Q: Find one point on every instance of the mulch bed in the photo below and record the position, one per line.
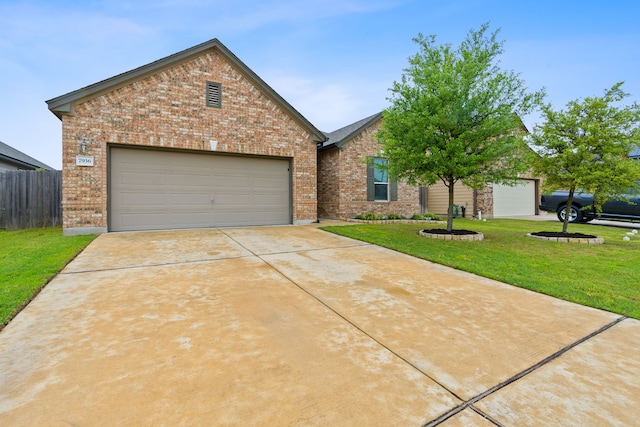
(561, 234)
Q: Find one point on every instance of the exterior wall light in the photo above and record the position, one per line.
(84, 146)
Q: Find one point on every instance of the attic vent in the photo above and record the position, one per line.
(214, 94)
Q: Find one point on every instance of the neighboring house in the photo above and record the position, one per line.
(492, 201)
(195, 139)
(349, 183)
(12, 159)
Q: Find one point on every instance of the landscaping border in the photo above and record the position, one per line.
(586, 241)
(467, 237)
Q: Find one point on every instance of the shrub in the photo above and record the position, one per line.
(430, 216)
(394, 216)
(370, 216)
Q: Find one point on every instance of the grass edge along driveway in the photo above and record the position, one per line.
(600, 276)
(28, 260)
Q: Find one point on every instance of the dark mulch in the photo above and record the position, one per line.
(561, 234)
(453, 232)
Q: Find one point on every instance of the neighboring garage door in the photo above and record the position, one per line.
(514, 201)
(154, 190)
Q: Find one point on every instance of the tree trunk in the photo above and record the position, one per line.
(450, 211)
(567, 211)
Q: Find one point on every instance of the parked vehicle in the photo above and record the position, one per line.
(581, 210)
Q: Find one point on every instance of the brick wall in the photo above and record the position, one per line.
(329, 183)
(343, 181)
(168, 110)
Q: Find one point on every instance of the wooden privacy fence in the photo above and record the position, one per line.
(30, 199)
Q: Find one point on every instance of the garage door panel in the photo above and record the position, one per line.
(142, 221)
(183, 200)
(148, 199)
(267, 183)
(518, 200)
(162, 189)
(141, 178)
(189, 219)
(189, 179)
(228, 184)
(264, 200)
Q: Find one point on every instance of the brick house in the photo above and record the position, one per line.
(349, 183)
(195, 139)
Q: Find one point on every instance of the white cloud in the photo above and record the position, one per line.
(328, 105)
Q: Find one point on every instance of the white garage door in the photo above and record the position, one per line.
(154, 190)
(514, 201)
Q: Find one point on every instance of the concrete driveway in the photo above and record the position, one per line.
(546, 216)
(295, 326)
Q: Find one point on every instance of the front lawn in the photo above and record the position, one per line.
(603, 276)
(28, 259)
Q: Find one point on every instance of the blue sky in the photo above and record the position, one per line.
(333, 60)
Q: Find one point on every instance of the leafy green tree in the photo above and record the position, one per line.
(455, 116)
(586, 147)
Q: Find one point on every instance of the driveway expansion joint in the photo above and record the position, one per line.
(470, 403)
(161, 264)
(295, 251)
(444, 417)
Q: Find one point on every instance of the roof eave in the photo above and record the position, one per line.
(322, 148)
(343, 141)
(19, 162)
(365, 125)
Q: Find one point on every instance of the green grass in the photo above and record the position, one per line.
(603, 276)
(28, 260)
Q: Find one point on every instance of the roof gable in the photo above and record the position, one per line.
(12, 155)
(340, 137)
(64, 104)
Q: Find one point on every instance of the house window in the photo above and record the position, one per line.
(380, 187)
(380, 180)
(214, 95)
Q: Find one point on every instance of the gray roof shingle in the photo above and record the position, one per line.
(341, 136)
(18, 157)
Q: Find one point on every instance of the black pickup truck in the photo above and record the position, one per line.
(628, 208)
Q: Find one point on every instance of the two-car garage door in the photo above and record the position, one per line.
(153, 190)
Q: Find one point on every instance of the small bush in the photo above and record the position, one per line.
(371, 216)
(359, 216)
(430, 216)
(394, 216)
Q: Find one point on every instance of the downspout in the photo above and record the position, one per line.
(475, 203)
